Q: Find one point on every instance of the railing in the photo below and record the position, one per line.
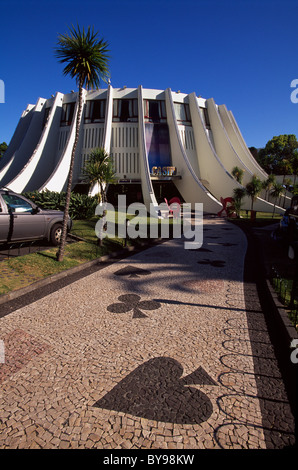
(14, 249)
(287, 294)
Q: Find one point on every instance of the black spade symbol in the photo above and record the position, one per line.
(132, 271)
(156, 391)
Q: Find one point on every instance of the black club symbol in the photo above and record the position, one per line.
(132, 302)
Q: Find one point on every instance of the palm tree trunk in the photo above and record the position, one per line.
(274, 209)
(61, 250)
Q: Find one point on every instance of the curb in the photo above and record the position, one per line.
(55, 277)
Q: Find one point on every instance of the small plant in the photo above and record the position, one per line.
(237, 173)
(99, 171)
(276, 192)
(238, 195)
(253, 189)
(267, 185)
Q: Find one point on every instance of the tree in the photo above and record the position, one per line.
(99, 170)
(238, 195)
(3, 148)
(254, 152)
(237, 173)
(278, 154)
(276, 192)
(86, 58)
(253, 189)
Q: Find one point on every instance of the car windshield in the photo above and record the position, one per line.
(16, 204)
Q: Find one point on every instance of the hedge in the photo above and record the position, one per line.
(81, 206)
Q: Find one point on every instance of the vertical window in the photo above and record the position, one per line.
(125, 110)
(46, 116)
(205, 115)
(155, 111)
(182, 113)
(158, 144)
(95, 111)
(67, 114)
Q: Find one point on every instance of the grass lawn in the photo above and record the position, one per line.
(262, 219)
(21, 271)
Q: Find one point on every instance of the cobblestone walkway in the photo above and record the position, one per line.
(167, 349)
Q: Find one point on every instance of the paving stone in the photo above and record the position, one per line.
(164, 360)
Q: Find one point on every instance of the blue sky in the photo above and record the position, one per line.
(241, 53)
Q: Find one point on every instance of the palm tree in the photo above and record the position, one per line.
(99, 171)
(86, 58)
(268, 183)
(238, 194)
(253, 189)
(237, 173)
(276, 192)
(287, 186)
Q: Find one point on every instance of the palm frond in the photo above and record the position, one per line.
(85, 55)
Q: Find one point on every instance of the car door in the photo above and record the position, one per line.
(5, 222)
(25, 222)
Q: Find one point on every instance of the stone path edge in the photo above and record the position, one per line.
(55, 277)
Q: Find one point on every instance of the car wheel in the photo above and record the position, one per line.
(56, 233)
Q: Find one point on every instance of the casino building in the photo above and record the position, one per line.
(163, 143)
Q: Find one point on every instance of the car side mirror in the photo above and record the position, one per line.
(35, 210)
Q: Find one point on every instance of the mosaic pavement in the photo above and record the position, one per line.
(167, 349)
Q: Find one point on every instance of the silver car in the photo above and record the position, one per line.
(22, 220)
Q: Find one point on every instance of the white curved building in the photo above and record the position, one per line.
(163, 144)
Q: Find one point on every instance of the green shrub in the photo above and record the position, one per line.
(81, 206)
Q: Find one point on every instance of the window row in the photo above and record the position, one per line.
(126, 110)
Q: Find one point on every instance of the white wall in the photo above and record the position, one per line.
(204, 158)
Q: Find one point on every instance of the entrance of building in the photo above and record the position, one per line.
(132, 191)
(165, 190)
